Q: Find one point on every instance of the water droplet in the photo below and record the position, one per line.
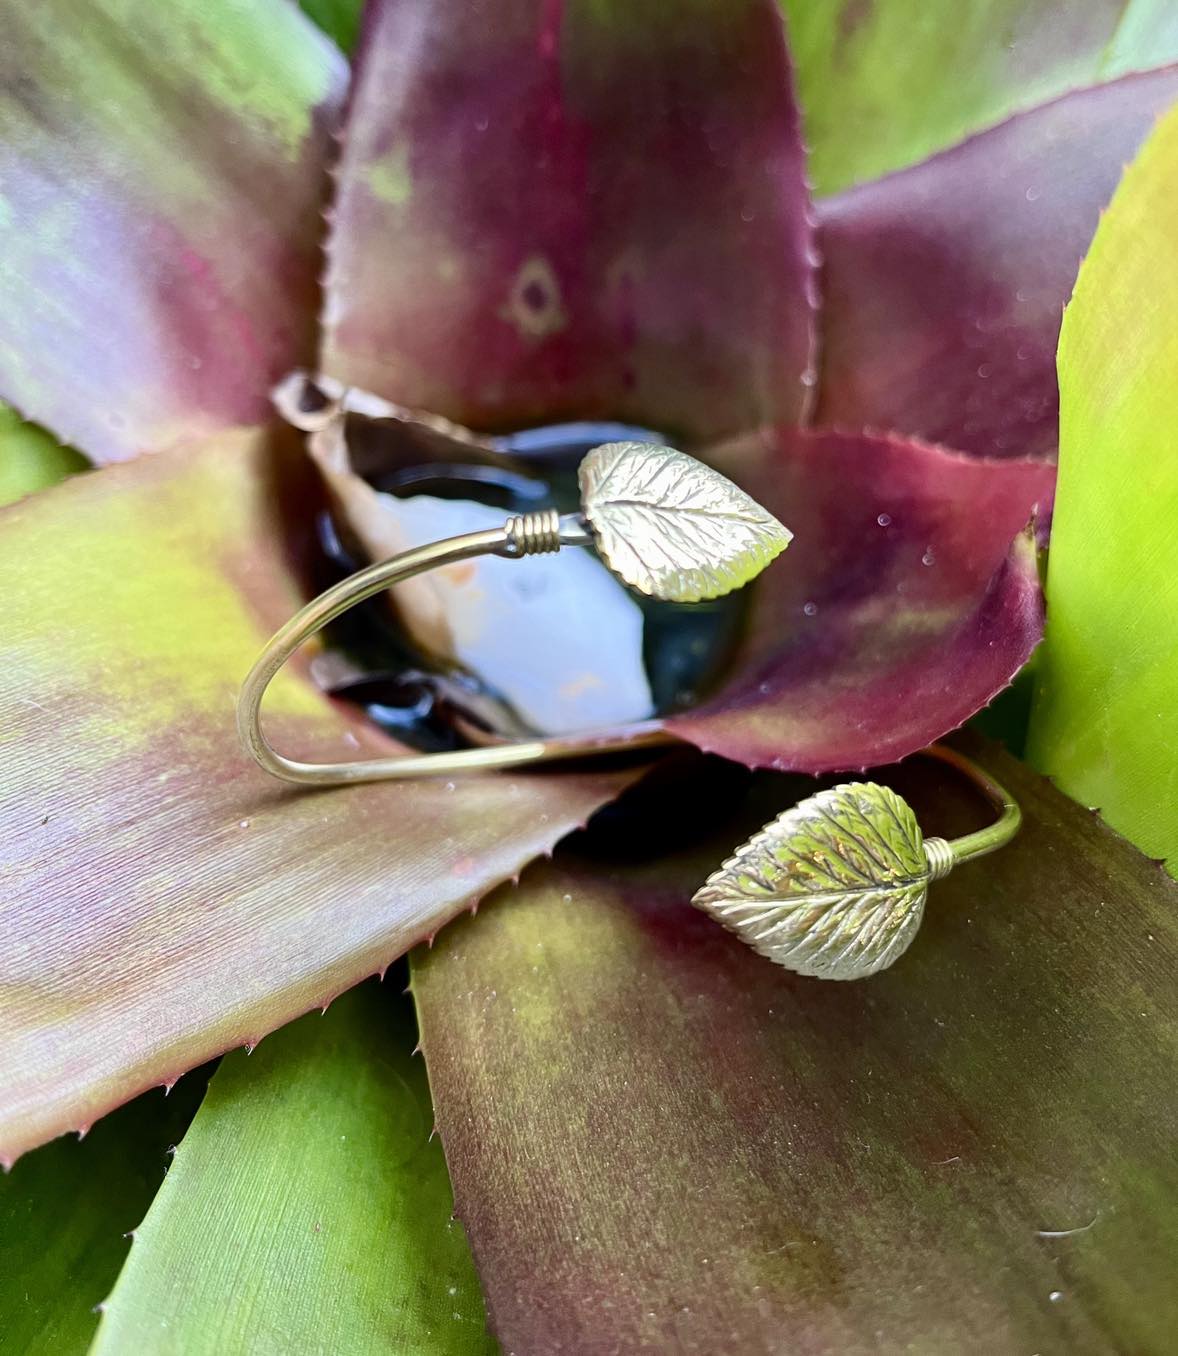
(985, 370)
(747, 214)
(449, 786)
(1055, 1296)
(810, 609)
(809, 377)
(884, 520)
(1031, 195)
(566, 899)
(243, 824)
(481, 124)
(928, 558)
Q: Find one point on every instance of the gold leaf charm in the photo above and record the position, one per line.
(671, 527)
(834, 887)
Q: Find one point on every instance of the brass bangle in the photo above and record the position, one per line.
(646, 510)
(993, 836)
(833, 887)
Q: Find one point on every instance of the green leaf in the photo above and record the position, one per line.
(340, 19)
(65, 1213)
(885, 83)
(1146, 35)
(307, 1208)
(661, 1142)
(30, 458)
(1105, 716)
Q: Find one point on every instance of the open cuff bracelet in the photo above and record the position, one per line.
(835, 886)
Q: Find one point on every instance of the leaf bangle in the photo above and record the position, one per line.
(835, 887)
(664, 523)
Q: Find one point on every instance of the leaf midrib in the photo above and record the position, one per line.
(673, 509)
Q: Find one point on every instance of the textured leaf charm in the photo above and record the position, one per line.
(671, 527)
(834, 887)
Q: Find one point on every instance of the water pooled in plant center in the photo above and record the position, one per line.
(547, 645)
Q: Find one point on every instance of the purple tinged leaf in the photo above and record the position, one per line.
(885, 83)
(659, 1141)
(900, 609)
(164, 900)
(577, 209)
(161, 176)
(944, 284)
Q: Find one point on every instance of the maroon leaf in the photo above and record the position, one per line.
(579, 209)
(944, 284)
(661, 1142)
(163, 898)
(899, 610)
(162, 171)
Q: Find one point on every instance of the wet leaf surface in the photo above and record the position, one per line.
(944, 284)
(907, 599)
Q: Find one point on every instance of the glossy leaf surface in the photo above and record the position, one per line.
(660, 1141)
(833, 887)
(671, 527)
(164, 899)
(1105, 718)
(944, 284)
(65, 1215)
(907, 599)
(584, 210)
(307, 1208)
(163, 168)
(887, 83)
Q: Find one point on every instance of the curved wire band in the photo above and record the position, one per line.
(527, 534)
(944, 854)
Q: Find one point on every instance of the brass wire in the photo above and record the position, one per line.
(520, 535)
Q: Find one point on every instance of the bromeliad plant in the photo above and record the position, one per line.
(548, 212)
